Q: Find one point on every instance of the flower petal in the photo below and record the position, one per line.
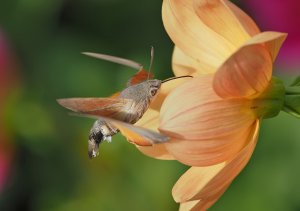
(207, 184)
(188, 206)
(246, 73)
(157, 151)
(185, 65)
(193, 37)
(193, 111)
(197, 205)
(164, 91)
(218, 16)
(150, 120)
(194, 181)
(210, 151)
(247, 22)
(272, 41)
(204, 128)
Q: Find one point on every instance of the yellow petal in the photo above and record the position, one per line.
(245, 74)
(218, 16)
(185, 65)
(248, 24)
(208, 183)
(193, 37)
(272, 41)
(193, 111)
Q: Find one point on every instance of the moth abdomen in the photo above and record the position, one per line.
(101, 131)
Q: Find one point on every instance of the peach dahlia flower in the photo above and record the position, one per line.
(213, 119)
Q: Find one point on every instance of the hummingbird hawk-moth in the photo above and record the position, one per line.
(120, 111)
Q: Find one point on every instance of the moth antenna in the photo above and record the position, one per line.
(173, 78)
(151, 60)
(114, 59)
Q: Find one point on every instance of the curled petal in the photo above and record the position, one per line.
(193, 111)
(194, 181)
(220, 18)
(189, 205)
(203, 204)
(206, 184)
(272, 41)
(193, 36)
(245, 74)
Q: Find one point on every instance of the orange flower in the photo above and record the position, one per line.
(213, 119)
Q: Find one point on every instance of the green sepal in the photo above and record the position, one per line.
(292, 99)
(296, 82)
(269, 103)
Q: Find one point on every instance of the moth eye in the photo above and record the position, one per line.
(153, 92)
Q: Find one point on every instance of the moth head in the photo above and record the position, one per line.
(154, 86)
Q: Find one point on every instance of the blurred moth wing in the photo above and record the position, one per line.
(109, 107)
(140, 76)
(138, 135)
(115, 59)
(134, 134)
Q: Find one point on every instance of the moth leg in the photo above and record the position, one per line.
(108, 139)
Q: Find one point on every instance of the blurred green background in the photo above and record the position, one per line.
(50, 169)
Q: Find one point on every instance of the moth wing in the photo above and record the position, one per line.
(138, 135)
(115, 95)
(109, 107)
(139, 77)
(115, 59)
(134, 134)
